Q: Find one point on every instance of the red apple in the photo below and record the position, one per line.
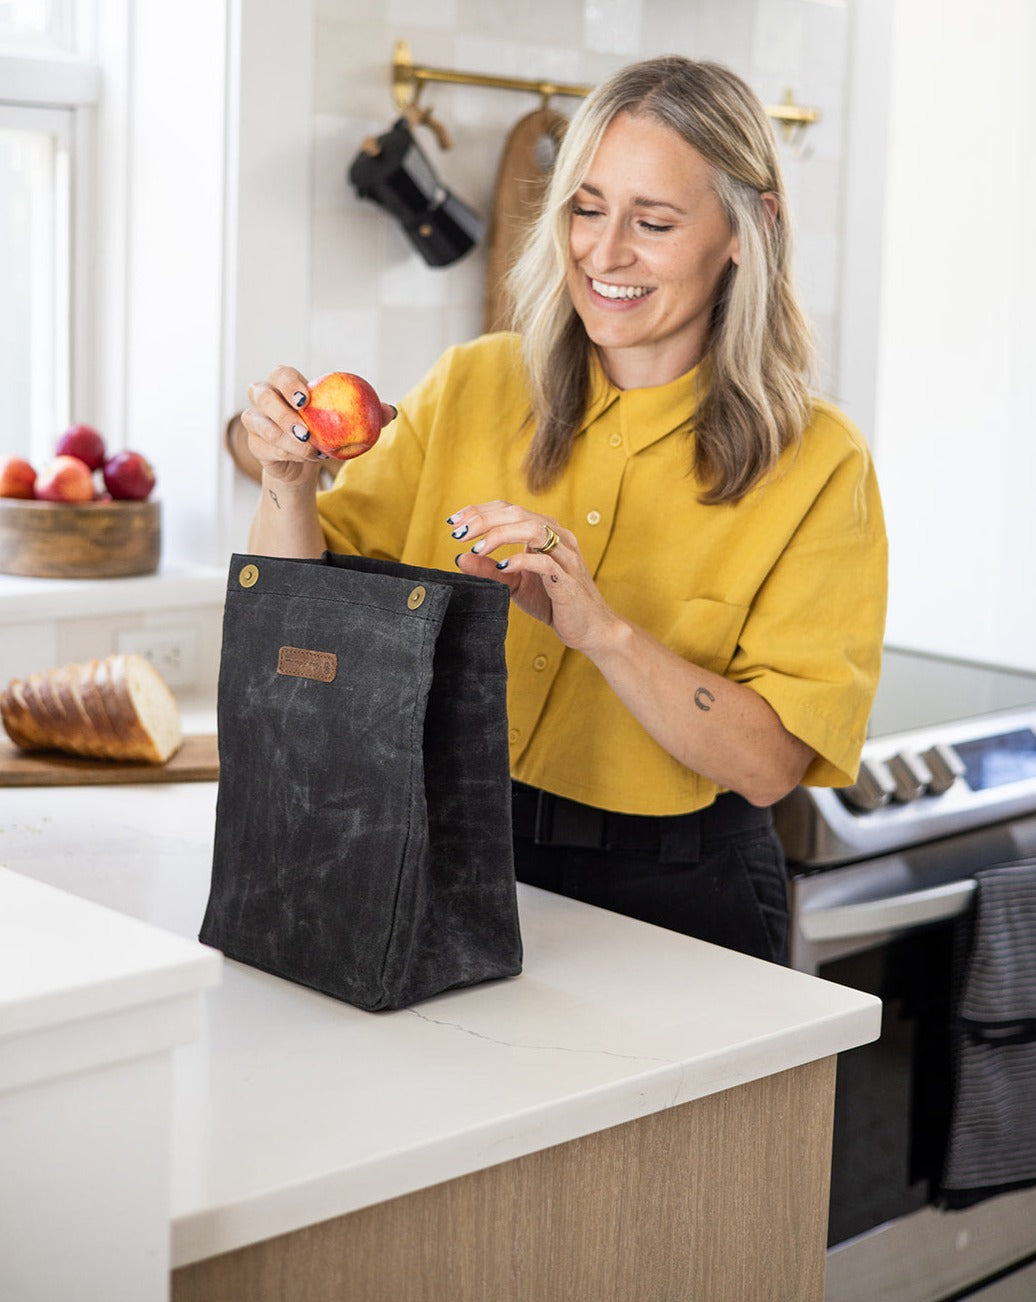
(84, 442)
(17, 478)
(343, 415)
(65, 479)
(128, 477)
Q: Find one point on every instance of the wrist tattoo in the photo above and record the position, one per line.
(702, 698)
(274, 499)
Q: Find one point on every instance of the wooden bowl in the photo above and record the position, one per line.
(91, 540)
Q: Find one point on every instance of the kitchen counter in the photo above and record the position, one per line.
(293, 1111)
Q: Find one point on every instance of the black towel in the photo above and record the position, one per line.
(992, 1142)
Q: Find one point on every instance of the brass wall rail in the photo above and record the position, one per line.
(408, 79)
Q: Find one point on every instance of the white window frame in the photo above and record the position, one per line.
(60, 94)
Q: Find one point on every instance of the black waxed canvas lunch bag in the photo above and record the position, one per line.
(363, 817)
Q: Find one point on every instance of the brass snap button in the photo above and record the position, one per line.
(249, 576)
(416, 597)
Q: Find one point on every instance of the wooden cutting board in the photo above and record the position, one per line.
(521, 183)
(197, 760)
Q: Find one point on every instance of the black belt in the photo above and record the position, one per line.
(674, 838)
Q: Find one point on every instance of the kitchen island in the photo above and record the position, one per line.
(637, 1116)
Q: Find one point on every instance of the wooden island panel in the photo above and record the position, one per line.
(722, 1199)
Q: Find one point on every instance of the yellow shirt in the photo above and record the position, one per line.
(784, 591)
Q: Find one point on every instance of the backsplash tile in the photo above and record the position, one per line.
(613, 26)
(394, 313)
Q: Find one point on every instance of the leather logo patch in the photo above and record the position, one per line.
(297, 662)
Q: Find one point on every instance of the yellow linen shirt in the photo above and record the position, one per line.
(784, 590)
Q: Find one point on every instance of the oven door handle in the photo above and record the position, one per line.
(895, 913)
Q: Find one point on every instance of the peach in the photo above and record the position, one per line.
(344, 415)
(17, 478)
(65, 479)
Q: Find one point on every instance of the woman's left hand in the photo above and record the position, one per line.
(554, 586)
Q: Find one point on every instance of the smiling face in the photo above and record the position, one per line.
(648, 243)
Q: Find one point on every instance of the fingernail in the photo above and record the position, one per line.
(451, 519)
(395, 411)
(459, 533)
(301, 433)
(501, 565)
(322, 456)
(479, 545)
(456, 559)
(299, 399)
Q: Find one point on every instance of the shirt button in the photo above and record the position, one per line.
(615, 440)
(513, 736)
(540, 662)
(593, 517)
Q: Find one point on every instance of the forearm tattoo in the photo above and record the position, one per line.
(703, 698)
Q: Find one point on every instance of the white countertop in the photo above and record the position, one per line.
(63, 958)
(293, 1108)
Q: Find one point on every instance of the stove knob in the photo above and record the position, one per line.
(946, 767)
(873, 787)
(911, 775)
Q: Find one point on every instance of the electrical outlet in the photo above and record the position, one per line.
(173, 651)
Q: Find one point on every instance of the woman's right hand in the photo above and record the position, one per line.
(276, 437)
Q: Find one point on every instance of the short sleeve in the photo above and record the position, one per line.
(811, 645)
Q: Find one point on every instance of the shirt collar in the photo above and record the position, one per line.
(645, 415)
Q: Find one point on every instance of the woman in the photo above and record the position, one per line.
(694, 546)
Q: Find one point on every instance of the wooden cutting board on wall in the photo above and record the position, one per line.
(521, 181)
(197, 760)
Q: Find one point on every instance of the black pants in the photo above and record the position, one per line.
(717, 874)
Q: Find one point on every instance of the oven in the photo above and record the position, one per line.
(881, 875)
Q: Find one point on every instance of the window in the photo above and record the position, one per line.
(37, 24)
(47, 98)
(35, 297)
(175, 188)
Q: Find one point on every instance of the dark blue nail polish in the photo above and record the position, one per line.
(456, 559)
(299, 399)
(459, 533)
(451, 519)
(301, 433)
(501, 565)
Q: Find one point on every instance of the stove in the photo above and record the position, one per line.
(951, 746)
(881, 888)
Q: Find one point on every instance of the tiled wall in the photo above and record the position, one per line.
(31, 642)
(376, 308)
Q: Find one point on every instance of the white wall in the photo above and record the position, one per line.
(955, 392)
(159, 274)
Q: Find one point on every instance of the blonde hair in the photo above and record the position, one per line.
(755, 401)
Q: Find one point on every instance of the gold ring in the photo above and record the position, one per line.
(552, 541)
